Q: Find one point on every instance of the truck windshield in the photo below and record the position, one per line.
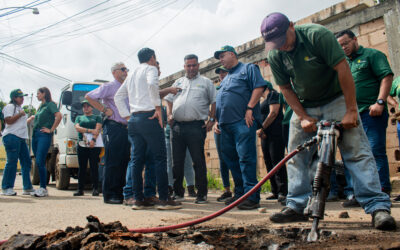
(78, 95)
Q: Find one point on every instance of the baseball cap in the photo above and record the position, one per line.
(85, 102)
(273, 30)
(16, 93)
(219, 69)
(224, 49)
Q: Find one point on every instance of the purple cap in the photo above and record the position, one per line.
(273, 30)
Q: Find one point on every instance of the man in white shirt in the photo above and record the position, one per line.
(14, 135)
(145, 127)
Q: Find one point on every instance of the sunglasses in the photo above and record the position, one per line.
(124, 69)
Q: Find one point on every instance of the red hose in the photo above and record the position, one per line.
(218, 213)
(223, 210)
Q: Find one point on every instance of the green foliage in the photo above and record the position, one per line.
(215, 182)
(2, 104)
(27, 111)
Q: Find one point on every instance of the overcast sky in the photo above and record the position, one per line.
(83, 47)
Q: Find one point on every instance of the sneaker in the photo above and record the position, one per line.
(9, 192)
(129, 201)
(178, 198)
(191, 191)
(168, 205)
(139, 205)
(224, 196)
(95, 192)
(152, 200)
(382, 220)
(28, 191)
(351, 203)
(41, 192)
(248, 205)
(201, 200)
(79, 193)
(231, 200)
(287, 215)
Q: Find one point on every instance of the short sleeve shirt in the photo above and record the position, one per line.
(45, 115)
(368, 67)
(87, 121)
(395, 90)
(19, 127)
(288, 110)
(235, 93)
(309, 66)
(276, 126)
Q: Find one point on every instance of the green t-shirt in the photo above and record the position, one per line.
(288, 110)
(88, 122)
(395, 90)
(45, 115)
(368, 67)
(309, 66)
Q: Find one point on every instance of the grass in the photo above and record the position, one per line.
(215, 183)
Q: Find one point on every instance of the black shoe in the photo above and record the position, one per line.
(170, 191)
(287, 215)
(95, 192)
(248, 205)
(178, 198)
(191, 191)
(78, 193)
(271, 197)
(351, 203)
(201, 200)
(382, 220)
(224, 196)
(113, 201)
(231, 200)
(145, 204)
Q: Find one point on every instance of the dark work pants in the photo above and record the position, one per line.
(117, 150)
(273, 148)
(285, 134)
(91, 155)
(189, 135)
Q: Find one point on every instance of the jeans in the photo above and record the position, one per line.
(16, 148)
(375, 128)
(40, 146)
(85, 155)
(398, 132)
(223, 168)
(240, 154)
(116, 147)
(189, 136)
(147, 135)
(357, 157)
(188, 168)
(149, 176)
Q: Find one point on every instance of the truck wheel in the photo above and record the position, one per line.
(62, 177)
(35, 173)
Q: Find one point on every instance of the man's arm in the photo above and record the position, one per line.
(97, 105)
(349, 91)
(209, 123)
(255, 98)
(12, 119)
(384, 90)
(273, 113)
(170, 90)
(170, 118)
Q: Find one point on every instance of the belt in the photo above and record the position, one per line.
(190, 122)
(112, 122)
(143, 112)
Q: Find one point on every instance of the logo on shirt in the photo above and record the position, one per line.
(307, 58)
(361, 61)
(287, 63)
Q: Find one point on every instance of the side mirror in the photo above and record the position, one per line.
(67, 98)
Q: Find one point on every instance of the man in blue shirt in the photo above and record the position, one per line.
(238, 115)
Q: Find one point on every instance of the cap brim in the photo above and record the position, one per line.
(217, 53)
(275, 43)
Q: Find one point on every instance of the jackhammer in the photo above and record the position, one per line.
(327, 137)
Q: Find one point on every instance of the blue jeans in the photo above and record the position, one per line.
(16, 148)
(188, 168)
(147, 135)
(356, 154)
(40, 146)
(149, 176)
(240, 154)
(398, 132)
(223, 168)
(375, 128)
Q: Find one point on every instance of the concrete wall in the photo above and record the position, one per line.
(376, 26)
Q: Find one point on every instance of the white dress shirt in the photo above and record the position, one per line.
(142, 90)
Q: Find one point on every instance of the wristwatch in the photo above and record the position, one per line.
(212, 119)
(250, 108)
(380, 101)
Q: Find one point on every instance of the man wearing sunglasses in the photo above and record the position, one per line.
(115, 134)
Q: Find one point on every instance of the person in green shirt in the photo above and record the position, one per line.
(311, 70)
(88, 126)
(46, 120)
(373, 78)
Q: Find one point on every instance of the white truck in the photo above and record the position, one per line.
(62, 160)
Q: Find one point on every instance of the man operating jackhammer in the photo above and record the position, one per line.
(311, 70)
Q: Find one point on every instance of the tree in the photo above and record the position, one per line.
(27, 111)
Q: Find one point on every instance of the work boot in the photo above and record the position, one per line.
(231, 200)
(78, 193)
(351, 203)
(152, 200)
(382, 220)
(129, 201)
(248, 205)
(191, 191)
(140, 205)
(287, 215)
(224, 196)
(168, 205)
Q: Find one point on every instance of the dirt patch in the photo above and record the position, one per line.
(97, 235)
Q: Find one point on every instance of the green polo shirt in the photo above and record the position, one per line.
(45, 115)
(288, 110)
(395, 90)
(368, 67)
(87, 121)
(309, 66)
